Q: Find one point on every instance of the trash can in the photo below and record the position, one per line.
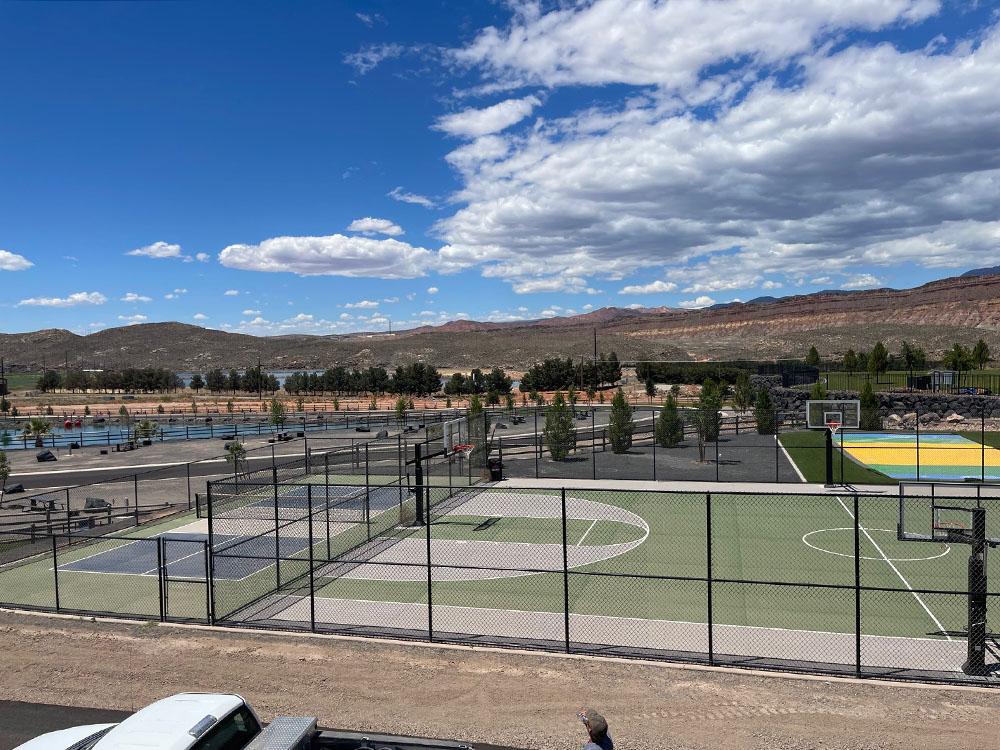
(496, 469)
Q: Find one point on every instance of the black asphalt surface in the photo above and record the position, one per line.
(20, 722)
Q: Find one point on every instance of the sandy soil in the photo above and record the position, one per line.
(503, 697)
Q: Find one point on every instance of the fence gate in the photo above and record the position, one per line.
(184, 591)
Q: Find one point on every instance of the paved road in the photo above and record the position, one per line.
(20, 722)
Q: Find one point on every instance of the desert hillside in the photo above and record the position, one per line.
(934, 316)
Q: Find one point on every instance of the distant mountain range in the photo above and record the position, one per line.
(934, 315)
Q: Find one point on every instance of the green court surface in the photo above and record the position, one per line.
(780, 564)
(791, 547)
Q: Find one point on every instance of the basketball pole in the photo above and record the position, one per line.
(975, 663)
(829, 459)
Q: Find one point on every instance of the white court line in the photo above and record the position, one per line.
(787, 456)
(589, 529)
(895, 570)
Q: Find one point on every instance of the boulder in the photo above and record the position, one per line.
(953, 417)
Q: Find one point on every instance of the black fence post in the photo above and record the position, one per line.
(211, 555)
(653, 412)
(565, 546)
(777, 455)
(161, 572)
(717, 429)
(430, 577)
(135, 489)
(187, 468)
(69, 516)
(708, 574)
(277, 523)
(55, 568)
(208, 582)
(593, 441)
(537, 444)
(857, 589)
(982, 445)
(917, 427)
(312, 562)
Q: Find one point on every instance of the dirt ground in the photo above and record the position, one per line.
(479, 695)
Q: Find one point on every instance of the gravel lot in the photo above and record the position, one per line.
(500, 697)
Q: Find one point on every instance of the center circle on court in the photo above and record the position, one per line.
(814, 539)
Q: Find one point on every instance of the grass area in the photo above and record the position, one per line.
(808, 450)
(991, 439)
(897, 379)
(21, 381)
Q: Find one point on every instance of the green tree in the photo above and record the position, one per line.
(669, 427)
(50, 380)
(812, 358)
(509, 400)
(913, 357)
(475, 406)
(4, 405)
(300, 404)
(851, 361)
(871, 420)
(194, 407)
(336, 404)
(981, 354)
(743, 391)
(559, 434)
(590, 394)
(401, 405)
(620, 423)
(37, 428)
(650, 389)
(229, 406)
(277, 412)
(958, 358)
(571, 397)
(818, 392)
(706, 416)
(146, 429)
(763, 412)
(4, 471)
(236, 454)
(197, 382)
(160, 409)
(878, 360)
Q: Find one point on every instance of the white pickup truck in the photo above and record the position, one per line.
(209, 721)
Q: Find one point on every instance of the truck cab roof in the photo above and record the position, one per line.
(170, 724)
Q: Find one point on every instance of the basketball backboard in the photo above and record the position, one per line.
(821, 414)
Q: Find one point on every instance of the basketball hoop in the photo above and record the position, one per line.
(464, 450)
(834, 421)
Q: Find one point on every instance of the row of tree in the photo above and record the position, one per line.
(705, 419)
(130, 380)
(910, 358)
(416, 379)
(560, 374)
(476, 382)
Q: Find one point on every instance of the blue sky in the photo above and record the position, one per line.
(329, 167)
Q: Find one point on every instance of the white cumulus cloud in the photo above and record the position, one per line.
(73, 300)
(404, 196)
(655, 287)
(370, 225)
(133, 319)
(160, 250)
(698, 302)
(13, 262)
(133, 297)
(231, 293)
(200, 316)
(334, 255)
(472, 123)
(365, 304)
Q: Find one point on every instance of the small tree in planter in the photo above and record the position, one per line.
(669, 427)
(620, 423)
(4, 472)
(871, 420)
(743, 392)
(236, 454)
(559, 434)
(763, 413)
(277, 414)
(401, 406)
